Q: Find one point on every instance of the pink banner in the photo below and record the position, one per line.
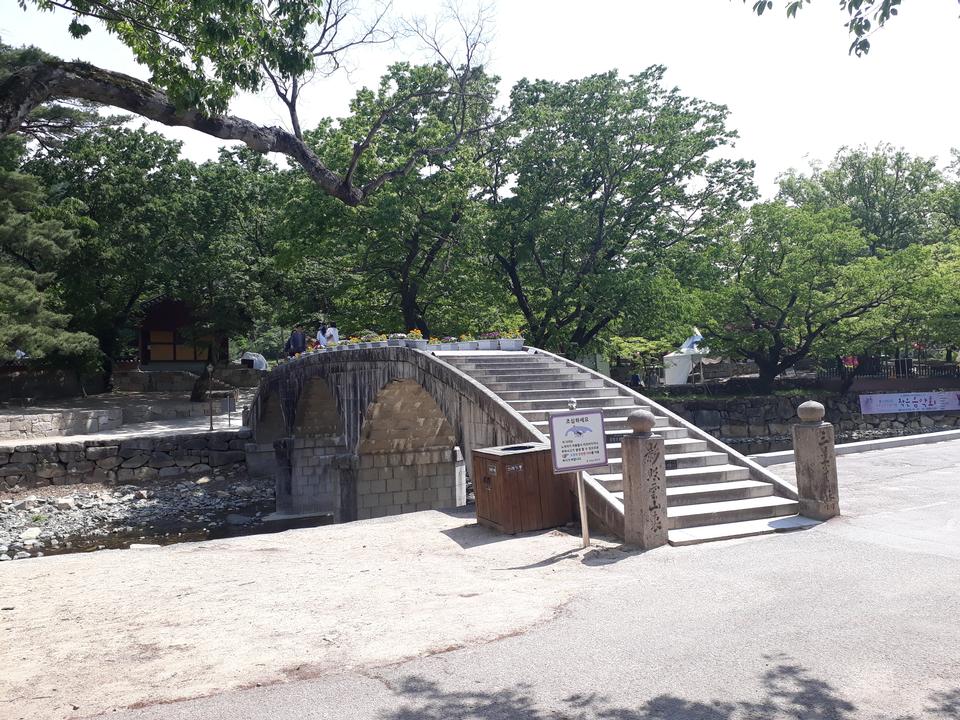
(909, 402)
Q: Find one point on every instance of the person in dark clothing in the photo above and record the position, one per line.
(296, 343)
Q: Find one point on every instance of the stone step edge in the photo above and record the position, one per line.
(742, 529)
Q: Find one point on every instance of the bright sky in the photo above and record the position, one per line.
(794, 93)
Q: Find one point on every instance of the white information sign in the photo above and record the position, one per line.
(909, 402)
(578, 440)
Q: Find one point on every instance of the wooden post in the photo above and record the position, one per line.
(815, 459)
(644, 483)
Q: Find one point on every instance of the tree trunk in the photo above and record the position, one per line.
(768, 372)
(412, 317)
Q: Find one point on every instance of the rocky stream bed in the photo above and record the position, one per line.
(78, 518)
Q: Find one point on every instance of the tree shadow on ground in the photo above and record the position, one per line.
(790, 692)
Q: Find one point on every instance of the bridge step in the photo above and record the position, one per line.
(544, 414)
(501, 387)
(708, 496)
(746, 528)
(666, 431)
(730, 511)
(717, 492)
(549, 395)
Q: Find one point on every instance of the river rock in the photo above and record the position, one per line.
(5, 557)
(244, 490)
(64, 503)
(26, 503)
(30, 533)
(21, 555)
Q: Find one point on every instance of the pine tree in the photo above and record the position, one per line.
(33, 239)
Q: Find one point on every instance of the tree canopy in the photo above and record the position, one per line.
(200, 54)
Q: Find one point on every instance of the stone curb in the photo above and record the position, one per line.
(785, 456)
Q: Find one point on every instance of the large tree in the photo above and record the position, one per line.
(796, 278)
(201, 53)
(34, 237)
(893, 196)
(595, 182)
(135, 189)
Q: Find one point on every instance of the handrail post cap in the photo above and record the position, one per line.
(641, 422)
(811, 411)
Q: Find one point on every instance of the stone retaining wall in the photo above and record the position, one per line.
(128, 460)
(26, 426)
(771, 416)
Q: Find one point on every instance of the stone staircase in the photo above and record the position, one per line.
(713, 493)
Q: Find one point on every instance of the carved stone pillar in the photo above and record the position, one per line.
(644, 484)
(816, 462)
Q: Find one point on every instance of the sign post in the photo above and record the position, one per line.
(578, 442)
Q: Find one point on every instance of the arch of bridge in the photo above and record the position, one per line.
(355, 378)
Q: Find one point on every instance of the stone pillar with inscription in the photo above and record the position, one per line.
(816, 462)
(644, 483)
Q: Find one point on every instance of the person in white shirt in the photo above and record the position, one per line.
(322, 335)
(333, 335)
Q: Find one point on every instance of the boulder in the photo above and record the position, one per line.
(109, 463)
(30, 533)
(80, 467)
(160, 460)
(64, 503)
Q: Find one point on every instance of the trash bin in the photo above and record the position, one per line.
(517, 491)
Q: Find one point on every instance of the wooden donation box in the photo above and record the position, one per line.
(517, 490)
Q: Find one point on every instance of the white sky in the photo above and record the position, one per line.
(795, 94)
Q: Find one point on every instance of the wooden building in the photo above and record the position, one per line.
(170, 338)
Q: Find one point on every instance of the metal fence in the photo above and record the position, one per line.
(875, 367)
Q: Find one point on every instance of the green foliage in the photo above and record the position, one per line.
(33, 240)
(864, 17)
(796, 277)
(890, 194)
(596, 184)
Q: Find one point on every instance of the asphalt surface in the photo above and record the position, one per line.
(856, 618)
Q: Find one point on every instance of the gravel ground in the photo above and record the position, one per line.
(65, 518)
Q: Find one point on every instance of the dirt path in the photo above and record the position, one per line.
(83, 634)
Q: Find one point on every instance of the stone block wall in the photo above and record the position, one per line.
(27, 425)
(128, 460)
(318, 467)
(394, 483)
(772, 416)
(66, 422)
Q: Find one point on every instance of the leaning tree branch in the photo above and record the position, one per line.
(31, 86)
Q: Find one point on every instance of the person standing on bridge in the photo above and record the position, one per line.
(297, 342)
(333, 335)
(322, 335)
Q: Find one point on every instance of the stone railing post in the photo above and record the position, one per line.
(644, 484)
(815, 459)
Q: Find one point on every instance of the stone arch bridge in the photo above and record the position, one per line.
(362, 433)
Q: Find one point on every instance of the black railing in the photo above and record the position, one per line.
(874, 367)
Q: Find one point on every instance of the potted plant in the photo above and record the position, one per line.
(368, 339)
(467, 342)
(379, 341)
(511, 340)
(396, 339)
(488, 341)
(416, 340)
(433, 343)
(448, 343)
(333, 345)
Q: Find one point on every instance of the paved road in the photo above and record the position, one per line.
(857, 618)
